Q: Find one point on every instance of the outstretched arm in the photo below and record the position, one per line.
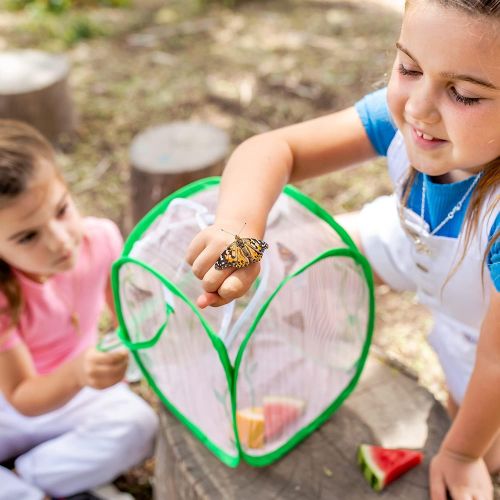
(459, 465)
(252, 181)
(33, 394)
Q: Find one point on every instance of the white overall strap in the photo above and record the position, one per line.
(397, 160)
(463, 297)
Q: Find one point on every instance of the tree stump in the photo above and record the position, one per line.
(388, 407)
(167, 157)
(33, 89)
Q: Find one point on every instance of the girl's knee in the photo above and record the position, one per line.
(147, 421)
(139, 420)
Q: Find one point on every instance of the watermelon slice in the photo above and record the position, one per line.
(279, 412)
(382, 466)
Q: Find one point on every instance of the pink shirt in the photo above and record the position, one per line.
(46, 326)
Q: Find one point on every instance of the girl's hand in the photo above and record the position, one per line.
(101, 369)
(220, 287)
(464, 478)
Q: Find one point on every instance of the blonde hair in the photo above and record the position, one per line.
(22, 150)
(485, 186)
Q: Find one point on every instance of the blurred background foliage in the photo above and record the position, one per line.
(61, 24)
(57, 6)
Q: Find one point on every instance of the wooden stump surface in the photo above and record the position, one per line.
(167, 157)
(388, 407)
(34, 89)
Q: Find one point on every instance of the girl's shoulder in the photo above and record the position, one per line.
(377, 120)
(103, 235)
(99, 226)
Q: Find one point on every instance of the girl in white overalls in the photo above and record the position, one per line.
(438, 235)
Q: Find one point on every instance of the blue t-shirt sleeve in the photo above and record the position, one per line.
(494, 255)
(375, 116)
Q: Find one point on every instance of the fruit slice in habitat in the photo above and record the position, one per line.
(250, 423)
(279, 412)
(382, 466)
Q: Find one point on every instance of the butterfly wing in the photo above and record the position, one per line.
(287, 256)
(232, 256)
(254, 248)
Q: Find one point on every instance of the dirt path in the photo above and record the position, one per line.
(247, 70)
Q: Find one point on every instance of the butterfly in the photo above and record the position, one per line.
(287, 256)
(241, 252)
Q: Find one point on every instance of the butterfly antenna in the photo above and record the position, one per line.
(242, 227)
(224, 231)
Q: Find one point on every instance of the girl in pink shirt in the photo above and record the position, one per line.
(64, 412)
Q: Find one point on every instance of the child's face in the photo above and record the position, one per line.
(41, 229)
(446, 84)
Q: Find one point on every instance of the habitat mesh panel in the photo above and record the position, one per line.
(270, 365)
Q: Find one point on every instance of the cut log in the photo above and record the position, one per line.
(166, 157)
(388, 407)
(34, 89)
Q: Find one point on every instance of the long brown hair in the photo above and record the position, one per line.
(491, 172)
(22, 149)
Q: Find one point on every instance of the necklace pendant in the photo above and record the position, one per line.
(421, 247)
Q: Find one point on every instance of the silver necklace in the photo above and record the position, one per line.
(420, 245)
(454, 210)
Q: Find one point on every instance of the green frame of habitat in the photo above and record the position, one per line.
(231, 371)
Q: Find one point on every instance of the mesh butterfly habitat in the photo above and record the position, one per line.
(255, 377)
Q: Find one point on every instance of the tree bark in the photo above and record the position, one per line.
(167, 157)
(34, 89)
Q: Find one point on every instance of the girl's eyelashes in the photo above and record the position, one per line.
(62, 210)
(467, 101)
(27, 238)
(407, 72)
(31, 236)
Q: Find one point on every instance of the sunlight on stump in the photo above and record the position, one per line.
(33, 89)
(167, 157)
(388, 407)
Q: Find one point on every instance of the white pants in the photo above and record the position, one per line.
(88, 442)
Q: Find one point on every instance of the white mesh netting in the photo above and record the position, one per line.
(305, 347)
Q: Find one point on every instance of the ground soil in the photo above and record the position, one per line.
(247, 69)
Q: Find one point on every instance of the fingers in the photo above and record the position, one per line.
(238, 282)
(203, 267)
(209, 299)
(195, 248)
(221, 288)
(104, 369)
(111, 358)
(205, 249)
(437, 484)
